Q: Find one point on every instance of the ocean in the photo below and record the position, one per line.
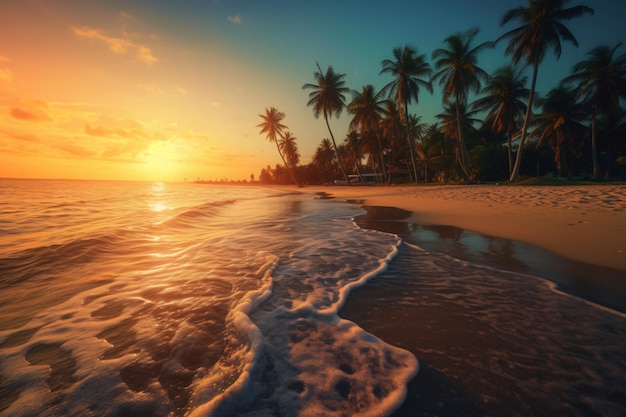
(139, 299)
(178, 299)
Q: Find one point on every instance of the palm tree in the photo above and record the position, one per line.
(367, 108)
(559, 122)
(289, 147)
(273, 128)
(601, 82)
(323, 158)
(392, 130)
(612, 131)
(352, 144)
(457, 120)
(327, 98)
(503, 101)
(541, 29)
(409, 71)
(459, 74)
(431, 148)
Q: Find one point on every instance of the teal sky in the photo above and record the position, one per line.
(283, 40)
(189, 78)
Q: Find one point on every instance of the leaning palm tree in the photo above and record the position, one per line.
(273, 128)
(601, 82)
(410, 71)
(328, 98)
(502, 99)
(367, 108)
(458, 74)
(541, 29)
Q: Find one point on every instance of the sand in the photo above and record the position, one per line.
(583, 223)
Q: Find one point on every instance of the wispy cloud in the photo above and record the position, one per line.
(216, 104)
(31, 112)
(118, 45)
(4, 59)
(235, 19)
(153, 89)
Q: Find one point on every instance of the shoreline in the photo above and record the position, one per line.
(489, 341)
(581, 223)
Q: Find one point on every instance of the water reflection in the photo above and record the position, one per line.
(601, 285)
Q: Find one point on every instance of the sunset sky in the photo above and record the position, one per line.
(164, 90)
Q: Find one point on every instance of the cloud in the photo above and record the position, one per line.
(151, 88)
(118, 45)
(5, 75)
(235, 19)
(75, 150)
(29, 115)
(4, 59)
(216, 104)
(125, 17)
(127, 129)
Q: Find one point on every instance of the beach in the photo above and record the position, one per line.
(493, 337)
(584, 223)
(159, 299)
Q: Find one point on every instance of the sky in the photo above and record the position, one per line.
(165, 90)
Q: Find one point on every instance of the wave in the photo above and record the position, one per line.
(54, 259)
(206, 210)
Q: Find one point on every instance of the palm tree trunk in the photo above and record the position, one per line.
(531, 96)
(463, 159)
(594, 150)
(343, 171)
(293, 175)
(409, 139)
(510, 152)
(381, 155)
(357, 163)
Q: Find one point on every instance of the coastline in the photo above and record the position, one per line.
(581, 223)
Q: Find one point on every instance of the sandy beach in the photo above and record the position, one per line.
(583, 223)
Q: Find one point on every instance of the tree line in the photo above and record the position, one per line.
(577, 128)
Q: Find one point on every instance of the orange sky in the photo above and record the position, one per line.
(103, 95)
(162, 90)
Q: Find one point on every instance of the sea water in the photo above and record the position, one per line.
(142, 299)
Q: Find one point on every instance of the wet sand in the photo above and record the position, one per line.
(493, 344)
(599, 284)
(490, 341)
(492, 338)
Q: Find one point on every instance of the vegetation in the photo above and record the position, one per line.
(492, 127)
